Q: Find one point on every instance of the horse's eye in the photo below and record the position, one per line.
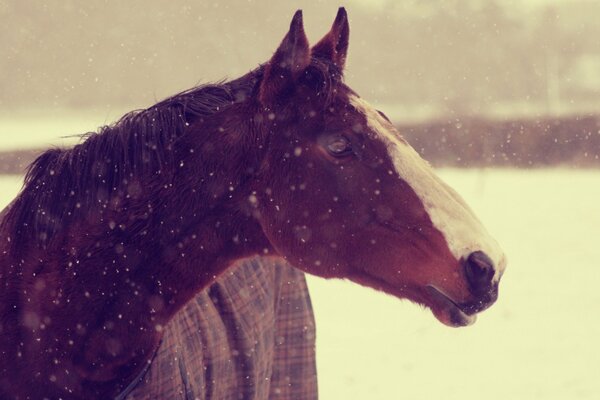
(339, 146)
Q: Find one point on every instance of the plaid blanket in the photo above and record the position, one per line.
(249, 336)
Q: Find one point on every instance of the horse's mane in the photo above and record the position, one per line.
(62, 182)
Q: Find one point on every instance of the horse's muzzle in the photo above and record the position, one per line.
(480, 271)
(480, 274)
(481, 302)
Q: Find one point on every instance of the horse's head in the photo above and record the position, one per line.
(342, 194)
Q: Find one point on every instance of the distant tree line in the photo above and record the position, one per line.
(479, 142)
(16, 162)
(471, 142)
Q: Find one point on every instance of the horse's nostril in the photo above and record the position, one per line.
(479, 269)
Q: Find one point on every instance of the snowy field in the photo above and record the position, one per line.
(540, 340)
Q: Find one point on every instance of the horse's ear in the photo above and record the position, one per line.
(334, 45)
(289, 61)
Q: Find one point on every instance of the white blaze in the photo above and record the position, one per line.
(462, 230)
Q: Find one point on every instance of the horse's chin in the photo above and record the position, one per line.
(447, 311)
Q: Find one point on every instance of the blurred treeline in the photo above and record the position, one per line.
(525, 143)
(472, 142)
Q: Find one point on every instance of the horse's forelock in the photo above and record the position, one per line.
(323, 77)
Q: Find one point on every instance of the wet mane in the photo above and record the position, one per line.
(63, 182)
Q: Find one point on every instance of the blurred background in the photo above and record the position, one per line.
(502, 95)
(471, 82)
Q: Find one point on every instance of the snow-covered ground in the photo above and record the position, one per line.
(540, 341)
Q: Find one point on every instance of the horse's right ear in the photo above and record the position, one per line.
(334, 45)
(289, 61)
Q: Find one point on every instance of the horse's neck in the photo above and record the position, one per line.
(113, 281)
(196, 230)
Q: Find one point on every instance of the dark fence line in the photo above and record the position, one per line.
(465, 142)
(16, 162)
(471, 142)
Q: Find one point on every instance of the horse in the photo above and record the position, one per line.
(109, 239)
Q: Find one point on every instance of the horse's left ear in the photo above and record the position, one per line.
(289, 61)
(334, 45)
